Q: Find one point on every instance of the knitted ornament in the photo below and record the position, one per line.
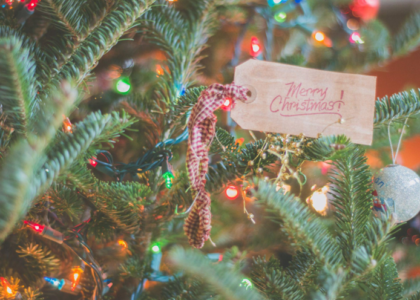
(202, 129)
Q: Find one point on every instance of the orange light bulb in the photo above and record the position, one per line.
(122, 243)
(319, 36)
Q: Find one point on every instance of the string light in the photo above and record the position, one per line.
(6, 286)
(319, 36)
(319, 200)
(122, 243)
(32, 4)
(67, 126)
(123, 85)
(156, 248)
(226, 106)
(255, 47)
(93, 161)
(167, 173)
(77, 273)
(356, 38)
(246, 283)
(159, 70)
(240, 141)
(280, 17)
(64, 285)
(275, 2)
(232, 192)
(46, 231)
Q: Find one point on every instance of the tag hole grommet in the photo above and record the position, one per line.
(251, 94)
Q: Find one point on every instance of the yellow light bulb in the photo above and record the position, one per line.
(319, 200)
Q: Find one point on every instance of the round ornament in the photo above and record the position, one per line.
(397, 189)
(365, 9)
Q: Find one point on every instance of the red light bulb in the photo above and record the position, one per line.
(227, 104)
(93, 162)
(6, 286)
(37, 227)
(31, 5)
(231, 192)
(255, 47)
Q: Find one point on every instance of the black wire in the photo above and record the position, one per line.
(150, 160)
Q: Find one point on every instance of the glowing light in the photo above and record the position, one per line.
(356, 38)
(32, 4)
(67, 126)
(246, 283)
(231, 192)
(319, 200)
(319, 36)
(6, 286)
(123, 85)
(55, 282)
(255, 47)
(168, 176)
(240, 141)
(93, 162)
(156, 249)
(159, 70)
(280, 17)
(226, 104)
(122, 243)
(275, 2)
(37, 227)
(77, 272)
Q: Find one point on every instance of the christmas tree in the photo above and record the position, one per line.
(99, 105)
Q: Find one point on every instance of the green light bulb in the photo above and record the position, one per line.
(280, 17)
(168, 176)
(246, 283)
(123, 85)
(156, 249)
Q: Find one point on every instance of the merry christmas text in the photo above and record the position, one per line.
(303, 101)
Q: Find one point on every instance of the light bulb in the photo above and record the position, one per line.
(231, 192)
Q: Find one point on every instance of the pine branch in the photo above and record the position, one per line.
(23, 184)
(220, 277)
(65, 15)
(326, 148)
(411, 287)
(182, 38)
(408, 38)
(85, 54)
(122, 204)
(352, 193)
(397, 108)
(301, 224)
(274, 282)
(17, 81)
(384, 282)
(304, 269)
(416, 296)
(38, 262)
(19, 182)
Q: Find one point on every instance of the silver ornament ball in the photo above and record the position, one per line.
(398, 188)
